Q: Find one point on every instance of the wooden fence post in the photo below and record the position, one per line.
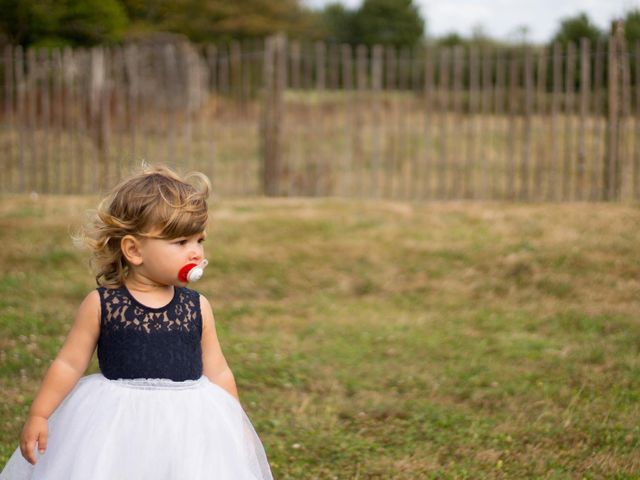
(527, 127)
(625, 164)
(274, 59)
(5, 173)
(585, 74)
(599, 158)
(636, 153)
(568, 111)
(99, 113)
(266, 133)
(610, 170)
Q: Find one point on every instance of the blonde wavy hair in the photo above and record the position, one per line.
(156, 202)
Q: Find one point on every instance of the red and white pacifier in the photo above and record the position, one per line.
(192, 272)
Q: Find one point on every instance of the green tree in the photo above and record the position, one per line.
(55, 22)
(89, 22)
(632, 26)
(215, 20)
(572, 29)
(338, 23)
(24, 22)
(481, 38)
(452, 39)
(389, 22)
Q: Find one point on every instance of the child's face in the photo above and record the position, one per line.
(162, 259)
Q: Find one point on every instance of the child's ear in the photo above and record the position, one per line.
(130, 247)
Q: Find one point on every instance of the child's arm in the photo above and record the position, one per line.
(213, 362)
(63, 374)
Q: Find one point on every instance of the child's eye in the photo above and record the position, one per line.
(181, 242)
(200, 240)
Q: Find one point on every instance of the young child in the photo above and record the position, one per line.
(165, 405)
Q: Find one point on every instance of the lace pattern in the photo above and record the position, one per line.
(121, 310)
(137, 341)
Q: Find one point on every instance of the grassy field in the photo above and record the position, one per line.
(375, 340)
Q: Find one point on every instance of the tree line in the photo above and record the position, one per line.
(57, 23)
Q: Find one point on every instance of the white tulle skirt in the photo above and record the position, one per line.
(146, 429)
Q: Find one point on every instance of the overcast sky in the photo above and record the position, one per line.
(502, 18)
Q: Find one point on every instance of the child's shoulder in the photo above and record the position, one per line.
(90, 305)
(106, 294)
(92, 298)
(91, 302)
(190, 292)
(194, 295)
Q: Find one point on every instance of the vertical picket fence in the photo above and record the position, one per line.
(280, 117)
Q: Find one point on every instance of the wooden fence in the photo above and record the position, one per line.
(279, 117)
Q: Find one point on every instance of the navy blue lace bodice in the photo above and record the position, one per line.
(137, 341)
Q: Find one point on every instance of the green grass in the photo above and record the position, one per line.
(375, 340)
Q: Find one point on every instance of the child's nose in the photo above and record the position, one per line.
(196, 254)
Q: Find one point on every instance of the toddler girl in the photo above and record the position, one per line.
(164, 405)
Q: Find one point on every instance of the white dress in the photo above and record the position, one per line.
(145, 429)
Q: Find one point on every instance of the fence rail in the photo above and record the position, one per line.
(281, 117)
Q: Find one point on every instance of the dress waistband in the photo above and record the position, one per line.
(156, 383)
